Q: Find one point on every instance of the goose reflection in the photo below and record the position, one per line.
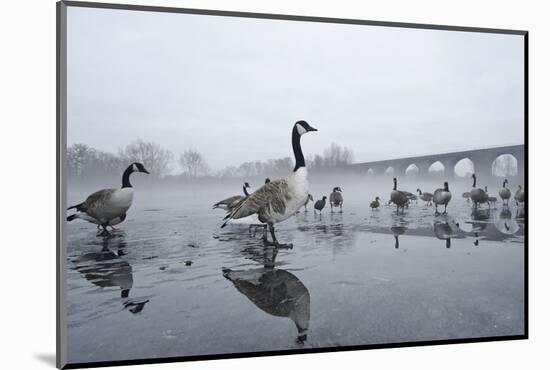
(443, 230)
(505, 224)
(106, 268)
(399, 228)
(276, 292)
(480, 219)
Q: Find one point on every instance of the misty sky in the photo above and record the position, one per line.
(233, 87)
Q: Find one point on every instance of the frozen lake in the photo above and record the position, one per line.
(170, 282)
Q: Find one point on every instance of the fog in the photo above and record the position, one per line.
(232, 87)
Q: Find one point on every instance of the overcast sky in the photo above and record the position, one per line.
(233, 87)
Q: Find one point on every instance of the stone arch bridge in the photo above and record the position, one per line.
(482, 159)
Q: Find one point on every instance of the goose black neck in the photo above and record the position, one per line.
(446, 187)
(297, 148)
(419, 192)
(504, 184)
(474, 185)
(244, 190)
(394, 184)
(126, 177)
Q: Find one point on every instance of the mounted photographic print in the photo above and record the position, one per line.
(237, 184)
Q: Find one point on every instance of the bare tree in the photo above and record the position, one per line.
(155, 159)
(193, 163)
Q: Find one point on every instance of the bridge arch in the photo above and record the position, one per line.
(505, 165)
(412, 170)
(370, 172)
(464, 167)
(389, 171)
(436, 169)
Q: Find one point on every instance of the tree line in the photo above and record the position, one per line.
(87, 164)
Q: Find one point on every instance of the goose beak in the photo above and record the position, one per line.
(312, 129)
(145, 171)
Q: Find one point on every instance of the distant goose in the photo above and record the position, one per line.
(426, 197)
(277, 200)
(505, 193)
(466, 195)
(108, 207)
(320, 204)
(267, 180)
(230, 202)
(442, 197)
(398, 197)
(375, 203)
(309, 198)
(520, 195)
(336, 199)
(477, 195)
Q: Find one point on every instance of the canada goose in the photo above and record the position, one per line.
(505, 193)
(375, 203)
(267, 180)
(466, 195)
(336, 199)
(398, 197)
(230, 202)
(320, 204)
(426, 197)
(309, 198)
(108, 207)
(520, 195)
(277, 200)
(277, 292)
(442, 197)
(477, 195)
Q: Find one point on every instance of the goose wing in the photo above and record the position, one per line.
(96, 201)
(229, 201)
(271, 197)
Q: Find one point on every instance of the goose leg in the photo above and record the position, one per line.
(341, 204)
(445, 211)
(436, 211)
(275, 241)
(331, 210)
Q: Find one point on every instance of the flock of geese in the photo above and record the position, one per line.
(275, 201)
(442, 196)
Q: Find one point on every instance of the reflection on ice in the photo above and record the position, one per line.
(276, 292)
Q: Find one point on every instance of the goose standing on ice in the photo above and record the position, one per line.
(426, 197)
(520, 195)
(398, 197)
(108, 207)
(375, 203)
(477, 195)
(442, 197)
(336, 199)
(230, 202)
(505, 193)
(277, 200)
(320, 204)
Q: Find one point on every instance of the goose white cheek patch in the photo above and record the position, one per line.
(301, 129)
(134, 168)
